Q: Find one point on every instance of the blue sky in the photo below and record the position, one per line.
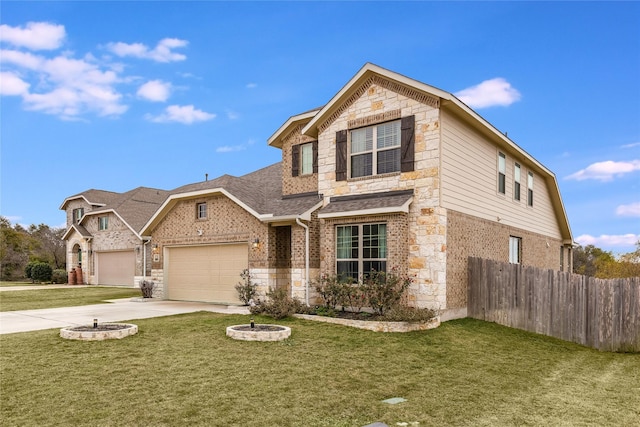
(116, 95)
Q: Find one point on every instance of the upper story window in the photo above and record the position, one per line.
(530, 189)
(516, 182)
(306, 159)
(78, 214)
(515, 250)
(103, 222)
(375, 150)
(201, 210)
(502, 167)
(361, 249)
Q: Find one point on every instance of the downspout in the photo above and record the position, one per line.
(306, 257)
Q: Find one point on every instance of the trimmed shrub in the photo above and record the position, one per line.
(59, 276)
(278, 304)
(28, 269)
(41, 272)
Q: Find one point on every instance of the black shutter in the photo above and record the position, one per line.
(407, 145)
(314, 149)
(341, 155)
(295, 160)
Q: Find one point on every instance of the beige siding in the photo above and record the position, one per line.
(469, 182)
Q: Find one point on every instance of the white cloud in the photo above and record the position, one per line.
(489, 93)
(605, 240)
(605, 171)
(633, 145)
(232, 115)
(163, 52)
(230, 148)
(186, 114)
(251, 85)
(34, 36)
(21, 59)
(155, 90)
(632, 210)
(11, 84)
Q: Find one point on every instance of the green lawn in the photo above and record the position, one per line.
(183, 370)
(61, 297)
(7, 284)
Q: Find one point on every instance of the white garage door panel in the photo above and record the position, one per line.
(116, 268)
(206, 273)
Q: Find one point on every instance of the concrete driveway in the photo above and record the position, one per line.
(115, 311)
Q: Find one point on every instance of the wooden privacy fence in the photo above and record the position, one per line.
(598, 313)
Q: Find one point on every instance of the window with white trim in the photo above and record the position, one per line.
(375, 149)
(78, 214)
(103, 223)
(530, 189)
(502, 167)
(516, 182)
(361, 249)
(201, 210)
(306, 159)
(515, 250)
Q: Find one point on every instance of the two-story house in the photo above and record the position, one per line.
(103, 234)
(390, 173)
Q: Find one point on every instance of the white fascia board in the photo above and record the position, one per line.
(68, 199)
(364, 212)
(288, 124)
(171, 200)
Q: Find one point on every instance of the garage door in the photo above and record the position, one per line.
(116, 268)
(205, 273)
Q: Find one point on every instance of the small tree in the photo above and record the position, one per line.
(246, 289)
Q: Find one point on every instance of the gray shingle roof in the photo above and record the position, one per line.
(377, 201)
(135, 206)
(260, 190)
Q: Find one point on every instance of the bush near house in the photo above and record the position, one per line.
(38, 271)
(246, 288)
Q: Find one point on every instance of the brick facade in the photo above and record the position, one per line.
(296, 184)
(471, 236)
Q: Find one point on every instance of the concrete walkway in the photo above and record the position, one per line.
(115, 311)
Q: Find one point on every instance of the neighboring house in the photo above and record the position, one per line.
(103, 234)
(390, 174)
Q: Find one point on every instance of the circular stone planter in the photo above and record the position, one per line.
(104, 331)
(259, 332)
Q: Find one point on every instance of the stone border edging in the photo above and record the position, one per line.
(128, 329)
(279, 335)
(374, 325)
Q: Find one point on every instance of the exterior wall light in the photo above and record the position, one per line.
(256, 243)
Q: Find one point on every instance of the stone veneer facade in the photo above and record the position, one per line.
(378, 100)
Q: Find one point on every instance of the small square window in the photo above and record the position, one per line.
(201, 210)
(103, 223)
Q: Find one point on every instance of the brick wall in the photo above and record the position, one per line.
(471, 236)
(296, 184)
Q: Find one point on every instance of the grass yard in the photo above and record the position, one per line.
(183, 370)
(8, 284)
(61, 297)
